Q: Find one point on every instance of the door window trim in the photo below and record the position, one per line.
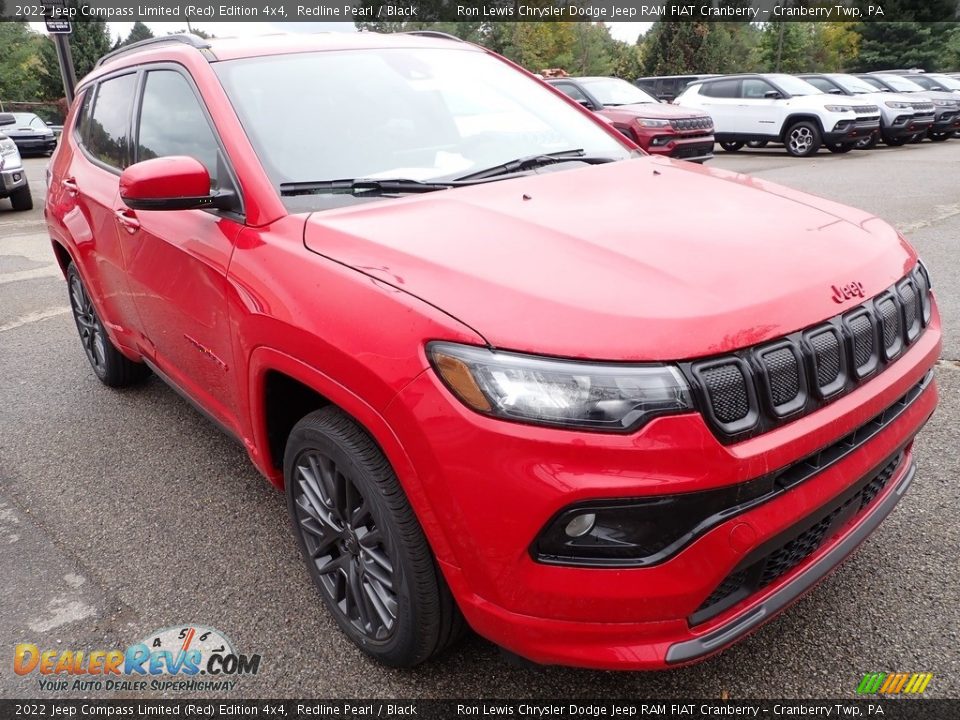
(94, 87)
(234, 184)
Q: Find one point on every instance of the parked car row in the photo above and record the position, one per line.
(837, 111)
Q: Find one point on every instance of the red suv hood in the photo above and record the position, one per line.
(638, 260)
(626, 113)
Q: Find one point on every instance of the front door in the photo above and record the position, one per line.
(177, 260)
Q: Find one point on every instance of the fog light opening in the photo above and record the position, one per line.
(581, 525)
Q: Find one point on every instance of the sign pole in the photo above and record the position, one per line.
(65, 59)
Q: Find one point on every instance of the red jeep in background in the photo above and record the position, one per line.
(658, 128)
(428, 311)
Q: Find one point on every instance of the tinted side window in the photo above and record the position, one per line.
(572, 91)
(821, 84)
(876, 83)
(173, 123)
(106, 136)
(754, 89)
(721, 89)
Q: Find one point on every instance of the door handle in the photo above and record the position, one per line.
(70, 185)
(128, 220)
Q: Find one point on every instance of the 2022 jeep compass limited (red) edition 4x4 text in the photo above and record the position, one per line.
(503, 385)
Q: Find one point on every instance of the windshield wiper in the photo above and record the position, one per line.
(534, 161)
(361, 186)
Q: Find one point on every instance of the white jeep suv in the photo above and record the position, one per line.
(780, 108)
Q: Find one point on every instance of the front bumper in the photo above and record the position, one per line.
(12, 179)
(695, 148)
(36, 144)
(908, 125)
(496, 484)
(946, 121)
(846, 131)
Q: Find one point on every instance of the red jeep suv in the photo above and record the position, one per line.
(492, 395)
(659, 128)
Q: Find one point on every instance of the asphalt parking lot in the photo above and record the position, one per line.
(124, 512)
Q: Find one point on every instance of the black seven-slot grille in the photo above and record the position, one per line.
(697, 123)
(776, 558)
(758, 388)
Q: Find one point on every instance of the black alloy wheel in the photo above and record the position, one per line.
(110, 366)
(362, 543)
(353, 561)
(88, 325)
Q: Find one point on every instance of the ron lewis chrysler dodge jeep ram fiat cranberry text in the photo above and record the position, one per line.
(500, 379)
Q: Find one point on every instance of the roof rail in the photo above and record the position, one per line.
(193, 41)
(434, 34)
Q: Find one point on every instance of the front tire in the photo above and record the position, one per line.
(940, 136)
(110, 366)
(730, 146)
(868, 143)
(21, 199)
(802, 139)
(362, 544)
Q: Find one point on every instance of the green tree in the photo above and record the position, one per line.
(138, 32)
(89, 41)
(676, 48)
(19, 62)
(886, 45)
(673, 48)
(786, 47)
(594, 49)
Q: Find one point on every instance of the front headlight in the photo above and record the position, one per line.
(945, 103)
(839, 108)
(8, 148)
(567, 393)
(653, 123)
(898, 105)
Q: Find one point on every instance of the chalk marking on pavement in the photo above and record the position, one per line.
(62, 611)
(34, 317)
(43, 272)
(943, 212)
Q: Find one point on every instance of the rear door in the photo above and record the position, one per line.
(85, 201)
(721, 99)
(177, 260)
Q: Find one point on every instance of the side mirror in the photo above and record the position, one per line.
(587, 104)
(772, 95)
(171, 183)
(7, 119)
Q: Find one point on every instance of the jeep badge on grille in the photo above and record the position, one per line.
(848, 291)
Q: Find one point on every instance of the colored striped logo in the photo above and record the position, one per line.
(894, 683)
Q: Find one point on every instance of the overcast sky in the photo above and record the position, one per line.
(626, 31)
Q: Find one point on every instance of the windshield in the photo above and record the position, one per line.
(400, 113)
(794, 86)
(612, 91)
(853, 84)
(947, 81)
(28, 120)
(901, 83)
